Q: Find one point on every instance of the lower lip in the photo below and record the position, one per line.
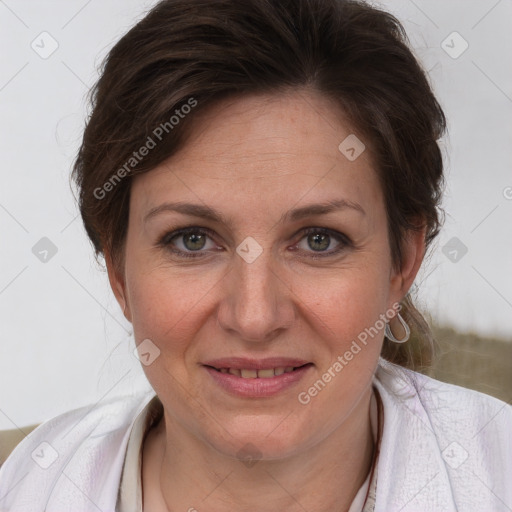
(258, 387)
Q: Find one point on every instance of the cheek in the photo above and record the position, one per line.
(344, 301)
(345, 318)
(168, 310)
(168, 304)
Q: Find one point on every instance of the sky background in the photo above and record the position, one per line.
(64, 343)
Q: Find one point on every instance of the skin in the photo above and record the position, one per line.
(253, 159)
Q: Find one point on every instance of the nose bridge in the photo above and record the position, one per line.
(255, 305)
(255, 282)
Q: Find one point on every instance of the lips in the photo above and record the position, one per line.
(240, 378)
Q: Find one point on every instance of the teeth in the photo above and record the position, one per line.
(248, 374)
(267, 373)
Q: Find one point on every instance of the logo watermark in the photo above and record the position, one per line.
(137, 156)
(304, 397)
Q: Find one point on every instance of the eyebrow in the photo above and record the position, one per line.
(206, 212)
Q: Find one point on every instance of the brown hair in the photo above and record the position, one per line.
(196, 52)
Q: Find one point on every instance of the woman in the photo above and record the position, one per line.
(263, 180)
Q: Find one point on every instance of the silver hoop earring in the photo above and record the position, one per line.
(390, 336)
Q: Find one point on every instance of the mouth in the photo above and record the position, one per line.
(263, 373)
(263, 382)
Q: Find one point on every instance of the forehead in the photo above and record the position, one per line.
(264, 152)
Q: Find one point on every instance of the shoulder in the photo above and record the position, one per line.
(100, 417)
(449, 411)
(456, 439)
(87, 441)
(440, 399)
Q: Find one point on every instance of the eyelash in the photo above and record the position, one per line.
(166, 240)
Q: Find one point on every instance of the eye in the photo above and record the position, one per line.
(187, 241)
(317, 240)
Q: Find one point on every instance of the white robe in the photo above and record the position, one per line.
(444, 449)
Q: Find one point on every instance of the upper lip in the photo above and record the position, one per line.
(244, 363)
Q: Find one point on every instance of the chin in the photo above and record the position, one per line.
(261, 441)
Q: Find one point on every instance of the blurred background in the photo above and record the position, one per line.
(64, 343)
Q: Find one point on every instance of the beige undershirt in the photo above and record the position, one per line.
(130, 490)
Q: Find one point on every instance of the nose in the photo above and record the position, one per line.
(257, 303)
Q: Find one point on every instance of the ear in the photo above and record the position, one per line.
(118, 285)
(413, 252)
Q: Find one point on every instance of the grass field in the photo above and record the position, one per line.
(475, 362)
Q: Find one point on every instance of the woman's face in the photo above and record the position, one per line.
(254, 283)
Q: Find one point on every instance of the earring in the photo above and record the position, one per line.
(390, 336)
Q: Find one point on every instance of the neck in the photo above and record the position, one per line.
(181, 472)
